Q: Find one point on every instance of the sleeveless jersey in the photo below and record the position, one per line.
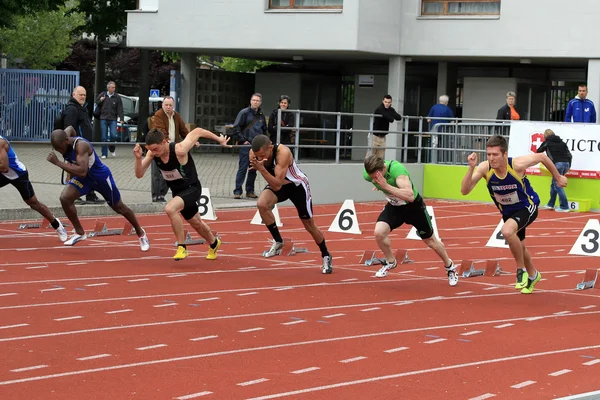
(178, 177)
(510, 193)
(96, 169)
(15, 167)
(393, 169)
(293, 173)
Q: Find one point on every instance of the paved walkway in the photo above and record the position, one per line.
(216, 169)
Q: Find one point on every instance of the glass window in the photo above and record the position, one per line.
(460, 7)
(306, 3)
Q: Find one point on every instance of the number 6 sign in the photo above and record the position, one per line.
(346, 221)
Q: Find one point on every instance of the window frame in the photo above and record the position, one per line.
(445, 12)
(292, 6)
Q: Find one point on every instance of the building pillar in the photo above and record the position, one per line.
(442, 79)
(593, 82)
(187, 95)
(396, 83)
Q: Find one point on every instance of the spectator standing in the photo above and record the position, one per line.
(287, 120)
(110, 107)
(559, 153)
(508, 112)
(440, 110)
(170, 123)
(581, 109)
(381, 126)
(249, 123)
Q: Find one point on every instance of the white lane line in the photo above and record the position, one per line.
(246, 294)
(305, 370)
(370, 309)
(204, 338)
(522, 384)
(435, 341)
(559, 373)
(245, 248)
(349, 280)
(254, 382)
(7, 294)
(333, 315)
(97, 284)
(460, 293)
(283, 288)
(209, 299)
(138, 280)
(38, 267)
(300, 321)
(492, 288)
(596, 361)
(562, 312)
(395, 350)
(483, 396)
(156, 346)
(251, 330)
(52, 289)
(349, 360)
(503, 326)
(29, 368)
(534, 319)
(561, 276)
(176, 275)
(246, 268)
(93, 357)
(587, 307)
(470, 333)
(431, 268)
(68, 318)
(164, 305)
(193, 396)
(13, 326)
(118, 311)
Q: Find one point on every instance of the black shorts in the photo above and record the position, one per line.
(191, 200)
(524, 217)
(414, 214)
(21, 183)
(298, 195)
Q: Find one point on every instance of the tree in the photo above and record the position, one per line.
(10, 9)
(243, 64)
(41, 39)
(105, 18)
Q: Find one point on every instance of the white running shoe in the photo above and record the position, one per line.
(75, 238)
(327, 267)
(275, 250)
(61, 231)
(144, 242)
(452, 274)
(383, 271)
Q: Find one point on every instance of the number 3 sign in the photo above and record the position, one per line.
(588, 242)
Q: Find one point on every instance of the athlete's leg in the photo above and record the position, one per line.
(67, 200)
(436, 245)
(382, 231)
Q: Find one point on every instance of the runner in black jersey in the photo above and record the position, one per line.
(178, 168)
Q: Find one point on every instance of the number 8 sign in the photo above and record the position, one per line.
(205, 206)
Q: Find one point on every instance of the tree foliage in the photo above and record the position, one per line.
(41, 39)
(10, 9)
(243, 64)
(105, 18)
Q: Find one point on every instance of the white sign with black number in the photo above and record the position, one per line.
(574, 205)
(588, 242)
(205, 206)
(257, 220)
(497, 240)
(346, 221)
(413, 232)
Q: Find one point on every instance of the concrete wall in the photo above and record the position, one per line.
(484, 96)
(335, 183)
(273, 85)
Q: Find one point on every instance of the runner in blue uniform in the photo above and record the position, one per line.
(87, 173)
(14, 172)
(515, 198)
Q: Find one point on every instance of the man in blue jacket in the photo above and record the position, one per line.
(581, 109)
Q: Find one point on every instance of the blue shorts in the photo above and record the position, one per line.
(106, 187)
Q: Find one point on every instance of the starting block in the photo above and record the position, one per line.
(467, 269)
(368, 258)
(45, 224)
(288, 249)
(589, 280)
(101, 230)
(190, 241)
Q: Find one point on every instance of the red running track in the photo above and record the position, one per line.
(103, 320)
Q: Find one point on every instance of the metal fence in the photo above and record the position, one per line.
(30, 101)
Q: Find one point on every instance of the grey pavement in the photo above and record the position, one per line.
(216, 167)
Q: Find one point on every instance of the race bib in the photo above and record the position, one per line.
(171, 175)
(510, 198)
(395, 201)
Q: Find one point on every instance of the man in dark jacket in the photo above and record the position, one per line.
(381, 126)
(560, 155)
(250, 122)
(110, 107)
(76, 115)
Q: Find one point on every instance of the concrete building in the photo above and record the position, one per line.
(415, 50)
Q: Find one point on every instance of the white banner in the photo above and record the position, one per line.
(583, 140)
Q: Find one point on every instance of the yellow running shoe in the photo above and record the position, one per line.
(522, 277)
(212, 253)
(181, 253)
(531, 284)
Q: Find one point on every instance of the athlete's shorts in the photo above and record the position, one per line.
(21, 183)
(191, 201)
(106, 187)
(524, 217)
(414, 214)
(298, 196)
